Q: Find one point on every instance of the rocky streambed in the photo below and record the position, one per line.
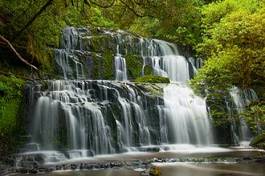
(208, 161)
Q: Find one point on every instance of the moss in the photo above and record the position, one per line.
(259, 141)
(108, 65)
(148, 70)
(152, 79)
(97, 65)
(154, 89)
(134, 66)
(99, 43)
(10, 120)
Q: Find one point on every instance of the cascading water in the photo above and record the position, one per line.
(186, 112)
(187, 115)
(84, 117)
(241, 99)
(120, 67)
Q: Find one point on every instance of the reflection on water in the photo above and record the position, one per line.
(178, 169)
(106, 172)
(211, 169)
(187, 161)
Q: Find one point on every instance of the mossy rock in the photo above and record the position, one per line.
(152, 79)
(148, 70)
(153, 89)
(134, 66)
(98, 43)
(259, 141)
(155, 171)
(108, 64)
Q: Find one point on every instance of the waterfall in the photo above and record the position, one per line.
(120, 67)
(75, 110)
(241, 99)
(83, 117)
(186, 112)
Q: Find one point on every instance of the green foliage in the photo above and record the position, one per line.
(108, 65)
(98, 19)
(255, 117)
(216, 102)
(45, 31)
(10, 103)
(214, 12)
(259, 141)
(173, 20)
(148, 70)
(233, 44)
(134, 66)
(233, 48)
(217, 73)
(11, 91)
(145, 26)
(152, 79)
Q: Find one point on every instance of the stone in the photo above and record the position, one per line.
(155, 171)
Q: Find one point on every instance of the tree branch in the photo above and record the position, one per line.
(17, 54)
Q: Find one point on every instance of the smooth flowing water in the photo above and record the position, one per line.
(241, 99)
(75, 118)
(85, 117)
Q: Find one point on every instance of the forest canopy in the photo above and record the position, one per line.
(227, 34)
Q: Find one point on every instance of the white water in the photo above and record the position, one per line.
(241, 99)
(186, 112)
(120, 68)
(187, 115)
(110, 116)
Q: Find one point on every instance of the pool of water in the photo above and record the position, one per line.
(179, 160)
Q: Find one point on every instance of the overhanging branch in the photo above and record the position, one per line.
(4, 40)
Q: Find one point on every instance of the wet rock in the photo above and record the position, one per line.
(247, 158)
(33, 171)
(58, 167)
(50, 169)
(150, 149)
(106, 165)
(154, 171)
(73, 166)
(260, 160)
(81, 166)
(115, 164)
(30, 147)
(41, 169)
(172, 160)
(22, 170)
(88, 166)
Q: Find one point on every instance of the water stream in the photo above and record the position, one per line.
(76, 117)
